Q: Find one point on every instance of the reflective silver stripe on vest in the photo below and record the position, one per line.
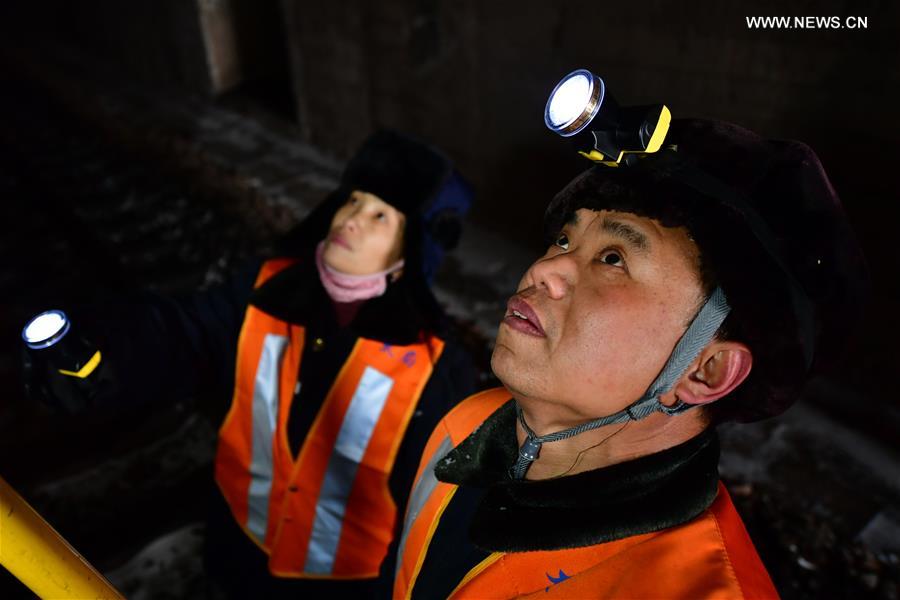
(265, 414)
(420, 494)
(363, 413)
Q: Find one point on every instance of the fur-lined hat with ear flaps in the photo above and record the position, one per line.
(413, 177)
(418, 180)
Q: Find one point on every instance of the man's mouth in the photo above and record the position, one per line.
(521, 317)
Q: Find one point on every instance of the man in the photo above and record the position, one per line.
(703, 284)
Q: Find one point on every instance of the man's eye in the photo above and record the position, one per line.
(562, 241)
(353, 201)
(612, 258)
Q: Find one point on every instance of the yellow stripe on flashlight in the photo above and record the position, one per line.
(86, 370)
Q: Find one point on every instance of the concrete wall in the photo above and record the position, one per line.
(473, 77)
(205, 46)
(157, 42)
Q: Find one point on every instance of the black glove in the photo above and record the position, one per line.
(44, 382)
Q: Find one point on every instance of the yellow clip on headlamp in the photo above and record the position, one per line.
(580, 107)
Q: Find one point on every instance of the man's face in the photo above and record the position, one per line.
(611, 298)
(366, 235)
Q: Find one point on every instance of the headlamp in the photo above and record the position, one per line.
(581, 108)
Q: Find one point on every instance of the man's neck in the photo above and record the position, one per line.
(607, 445)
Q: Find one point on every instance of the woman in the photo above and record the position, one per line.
(343, 367)
(336, 358)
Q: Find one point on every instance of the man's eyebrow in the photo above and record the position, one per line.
(627, 233)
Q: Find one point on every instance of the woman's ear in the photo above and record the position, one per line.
(720, 368)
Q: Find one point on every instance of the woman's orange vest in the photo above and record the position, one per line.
(710, 556)
(328, 512)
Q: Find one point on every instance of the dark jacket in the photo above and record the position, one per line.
(584, 533)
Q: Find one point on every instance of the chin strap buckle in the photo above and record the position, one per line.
(530, 450)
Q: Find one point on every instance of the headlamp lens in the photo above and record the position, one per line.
(45, 329)
(569, 100)
(574, 102)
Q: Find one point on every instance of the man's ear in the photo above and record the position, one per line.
(720, 368)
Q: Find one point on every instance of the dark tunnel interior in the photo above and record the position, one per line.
(158, 146)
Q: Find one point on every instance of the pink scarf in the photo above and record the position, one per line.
(342, 287)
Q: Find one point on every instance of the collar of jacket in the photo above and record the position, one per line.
(296, 295)
(644, 495)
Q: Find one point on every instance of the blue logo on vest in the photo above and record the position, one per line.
(409, 359)
(554, 580)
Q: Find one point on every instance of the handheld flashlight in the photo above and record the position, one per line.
(580, 107)
(71, 357)
(63, 365)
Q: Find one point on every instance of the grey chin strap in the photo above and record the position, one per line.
(699, 333)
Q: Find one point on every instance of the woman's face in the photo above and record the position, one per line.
(366, 235)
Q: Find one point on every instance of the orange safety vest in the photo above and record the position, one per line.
(328, 512)
(710, 556)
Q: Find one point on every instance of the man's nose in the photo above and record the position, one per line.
(556, 274)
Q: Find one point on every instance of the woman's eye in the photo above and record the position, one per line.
(381, 217)
(612, 257)
(562, 241)
(353, 201)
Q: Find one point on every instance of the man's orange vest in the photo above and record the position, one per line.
(710, 556)
(328, 512)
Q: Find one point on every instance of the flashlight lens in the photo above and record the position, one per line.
(574, 102)
(45, 329)
(569, 100)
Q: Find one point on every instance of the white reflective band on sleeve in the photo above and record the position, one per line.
(356, 430)
(265, 411)
(420, 494)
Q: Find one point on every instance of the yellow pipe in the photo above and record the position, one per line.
(40, 558)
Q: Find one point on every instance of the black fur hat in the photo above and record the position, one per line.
(418, 180)
(402, 171)
(772, 233)
(413, 177)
